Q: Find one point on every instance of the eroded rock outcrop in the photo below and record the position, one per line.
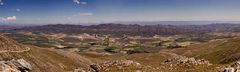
(188, 61)
(235, 67)
(19, 65)
(117, 64)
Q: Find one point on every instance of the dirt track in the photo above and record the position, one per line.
(5, 51)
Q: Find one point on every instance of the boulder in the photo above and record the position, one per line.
(24, 64)
(230, 69)
(95, 68)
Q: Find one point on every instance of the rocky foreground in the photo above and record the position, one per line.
(235, 67)
(177, 63)
(19, 65)
(187, 61)
(172, 64)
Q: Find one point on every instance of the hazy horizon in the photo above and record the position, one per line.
(135, 22)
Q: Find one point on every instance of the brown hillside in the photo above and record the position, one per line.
(9, 45)
(41, 60)
(216, 51)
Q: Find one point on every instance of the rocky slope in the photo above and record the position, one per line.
(41, 60)
(213, 56)
(222, 51)
(9, 45)
(19, 65)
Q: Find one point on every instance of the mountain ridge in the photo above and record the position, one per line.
(142, 30)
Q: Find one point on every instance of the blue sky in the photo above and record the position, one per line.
(98, 11)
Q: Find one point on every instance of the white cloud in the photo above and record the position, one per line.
(1, 2)
(79, 2)
(76, 1)
(85, 14)
(83, 3)
(18, 10)
(11, 18)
